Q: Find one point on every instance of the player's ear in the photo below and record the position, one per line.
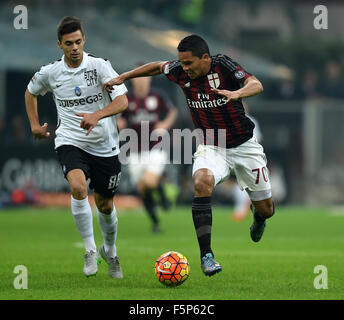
(205, 56)
(59, 44)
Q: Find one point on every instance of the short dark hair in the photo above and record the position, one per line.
(195, 44)
(68, 25)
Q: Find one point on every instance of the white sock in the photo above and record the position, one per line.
(82, 214)
(108, 225)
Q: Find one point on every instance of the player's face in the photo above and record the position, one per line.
(141, 86)
(72, 45)
(194, 66)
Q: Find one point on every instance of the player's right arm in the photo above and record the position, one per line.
(147, 70)
(39, 84)
(38, 131)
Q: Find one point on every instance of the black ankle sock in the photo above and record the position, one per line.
(202, 218)
(259, 217)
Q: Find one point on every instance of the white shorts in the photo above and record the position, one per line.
(153, 161)
(247, 162)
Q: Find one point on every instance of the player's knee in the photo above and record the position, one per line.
(150, 184)
(204, 185)
(79, 190)
(265, 208)
(105, 206)
(150, 180)
(105, 209)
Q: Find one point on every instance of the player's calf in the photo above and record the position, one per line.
(104, 205)
(258, 226)
(265, 208)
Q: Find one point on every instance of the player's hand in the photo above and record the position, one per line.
(108, 86)
(230, 95)
(161, 125)
(88, 122)
(160, 128)
(41, 132)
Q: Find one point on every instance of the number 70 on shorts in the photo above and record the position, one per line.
(261, 172)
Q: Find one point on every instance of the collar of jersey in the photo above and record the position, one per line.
(82, 66)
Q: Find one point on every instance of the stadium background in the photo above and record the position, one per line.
(300, 114)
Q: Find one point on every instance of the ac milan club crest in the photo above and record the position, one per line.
(214, 80)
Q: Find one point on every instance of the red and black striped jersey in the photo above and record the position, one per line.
(149, 110)
(211, 112)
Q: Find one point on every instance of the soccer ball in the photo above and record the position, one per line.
(172, 268)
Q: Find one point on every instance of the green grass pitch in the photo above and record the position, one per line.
(281, 266)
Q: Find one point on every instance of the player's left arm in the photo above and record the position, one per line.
(252, 86)
(90, 120)
(118, 104)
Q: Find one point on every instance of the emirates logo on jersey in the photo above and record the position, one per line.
(214, 80)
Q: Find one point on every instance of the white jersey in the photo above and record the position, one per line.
(79, 90)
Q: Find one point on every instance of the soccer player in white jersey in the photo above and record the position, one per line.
(86, 140)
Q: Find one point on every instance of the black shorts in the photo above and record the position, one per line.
(104, 172)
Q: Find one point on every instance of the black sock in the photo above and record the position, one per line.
(161, 191)
(149, 205)
(202, 218)
(259, 217)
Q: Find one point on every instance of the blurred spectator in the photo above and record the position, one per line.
(2, 129)
(284, 89)
(18, 130)
(5, 199)
(332, 82)
(310, 85)
(28, 194)
(287, 89)
(191, 12)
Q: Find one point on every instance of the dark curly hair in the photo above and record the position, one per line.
(195, 44)
(68, 25)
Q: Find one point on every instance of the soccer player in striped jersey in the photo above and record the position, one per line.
(86, 142)
(213, 87)
(151, 108)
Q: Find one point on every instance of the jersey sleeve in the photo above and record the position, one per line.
(106, 74)
(39, 83)
(236, 71)
(172, 70)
